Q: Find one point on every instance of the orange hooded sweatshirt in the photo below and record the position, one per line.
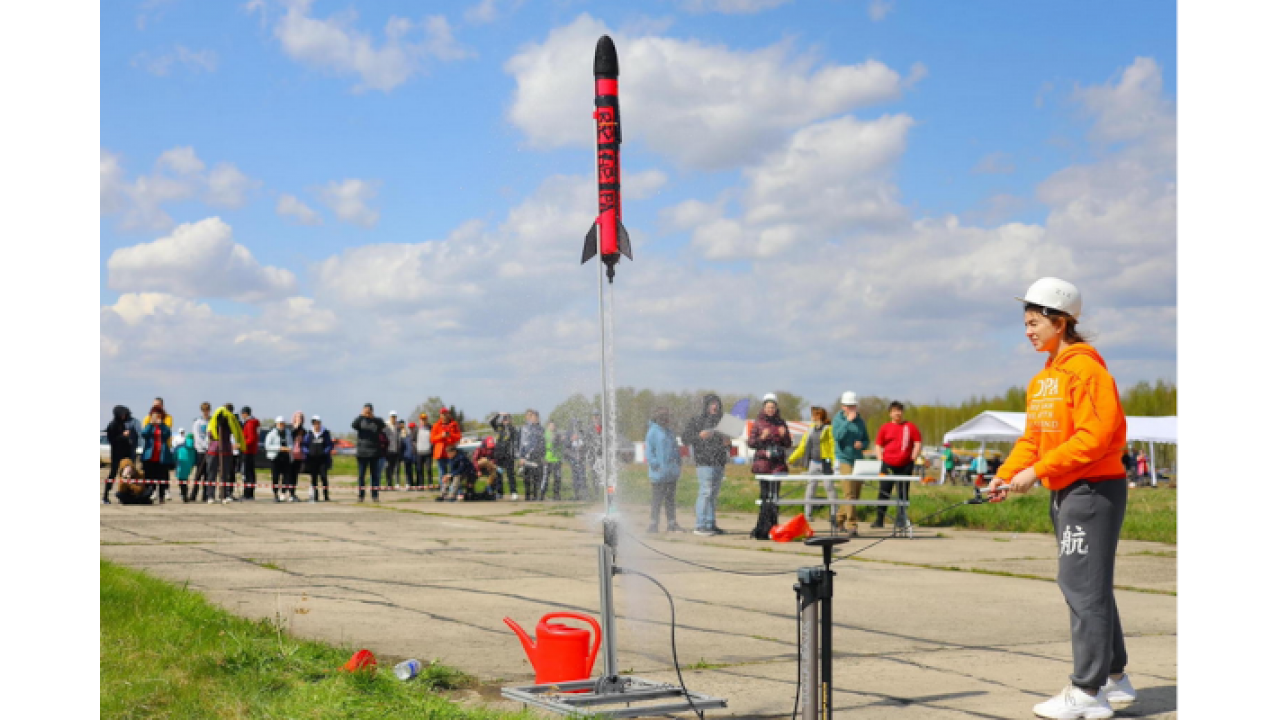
(1075, 425)
(444, 434)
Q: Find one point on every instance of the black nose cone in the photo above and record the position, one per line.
(606, 58)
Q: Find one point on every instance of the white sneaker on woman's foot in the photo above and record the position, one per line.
(1073, 703)
(1119, 693)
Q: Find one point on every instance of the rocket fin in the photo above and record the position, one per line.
(592, 242)
(624, 242)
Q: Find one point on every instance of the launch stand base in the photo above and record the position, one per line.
(630, 697)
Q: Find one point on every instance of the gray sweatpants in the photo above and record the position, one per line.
(664, 496)
(1086, 520)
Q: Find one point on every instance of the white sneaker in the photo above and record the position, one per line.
(1119, 693)
(210, 501)
(1073, 703)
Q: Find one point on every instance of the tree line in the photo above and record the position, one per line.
(636, 406)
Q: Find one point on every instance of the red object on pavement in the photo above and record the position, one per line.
(795, 527)
(361, 660)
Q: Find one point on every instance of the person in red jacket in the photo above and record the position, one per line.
(897, 445)
(249, 453)
(1073, 445)
(444, 434)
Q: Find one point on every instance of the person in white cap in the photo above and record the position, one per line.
(852, 438)
(319, 445)
(279, 440)
(1073, 445)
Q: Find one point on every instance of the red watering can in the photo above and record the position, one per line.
(560, 653)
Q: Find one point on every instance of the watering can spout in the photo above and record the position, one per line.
(530, 648)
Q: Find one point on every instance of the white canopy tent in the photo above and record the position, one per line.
(992, 426)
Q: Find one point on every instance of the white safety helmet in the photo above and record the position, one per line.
(767, 397)
(1055, 294)
(849, 398)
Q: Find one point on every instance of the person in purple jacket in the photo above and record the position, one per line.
(769, 437)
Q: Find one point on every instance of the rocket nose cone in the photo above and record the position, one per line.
(606, 58)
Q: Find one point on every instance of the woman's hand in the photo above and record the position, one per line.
(857, 444)
(1024, 481)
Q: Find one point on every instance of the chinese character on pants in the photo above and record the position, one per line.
(1073, 542)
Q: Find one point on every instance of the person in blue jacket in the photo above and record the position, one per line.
(157, 453)
(663, 456)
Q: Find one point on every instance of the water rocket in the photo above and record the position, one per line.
(607, 233)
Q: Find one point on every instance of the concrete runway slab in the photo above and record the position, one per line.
(952, 624)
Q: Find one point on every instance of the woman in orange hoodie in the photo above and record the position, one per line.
(1073, 444)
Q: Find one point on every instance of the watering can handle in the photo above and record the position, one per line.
(595, 647)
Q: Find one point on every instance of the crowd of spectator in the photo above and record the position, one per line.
(217, 461)
(220, 456)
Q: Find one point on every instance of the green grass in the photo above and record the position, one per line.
(166, 652)
(1152, 513)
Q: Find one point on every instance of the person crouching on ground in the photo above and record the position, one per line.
(131, 487)
(459, 474)
(486, 478)
(319, 457)
(663, 456)
(157, 454)
(1073, 445)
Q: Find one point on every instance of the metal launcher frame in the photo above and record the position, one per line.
(611, 694)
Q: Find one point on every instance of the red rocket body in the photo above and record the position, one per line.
(607, 235)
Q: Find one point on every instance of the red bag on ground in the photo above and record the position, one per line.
(794, 528)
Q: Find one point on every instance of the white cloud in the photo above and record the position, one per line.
(732, 7)
(1132, 108)
(831, 181)
(179, 174)
(227, 187)
(996, 163)
(181, 160)
(484, 12)
(704, 106)
(349, 200)
(291, 207)
(878, 10)
(336, 45)
(193, 61)
(198, 260)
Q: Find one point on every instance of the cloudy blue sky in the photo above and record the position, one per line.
(308, 205)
